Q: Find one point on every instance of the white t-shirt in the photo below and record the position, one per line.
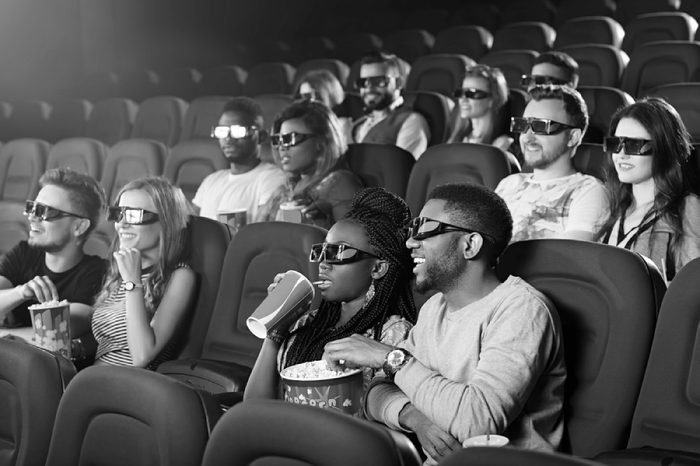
(222, 190)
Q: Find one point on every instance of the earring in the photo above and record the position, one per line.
(370, 294)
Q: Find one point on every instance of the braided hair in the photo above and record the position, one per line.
(383, 216)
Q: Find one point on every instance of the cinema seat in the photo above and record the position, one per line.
(409, 44)
(68, 119)
(160, 118)
(22, 162)
(84, 155)
(111, 120)
(191, 161)
(269, 78)
(602, 103)
(384, 165)
(589, 30)
(13, 225)
(278, 432)
(222, 80)
(129, 160)
(202, 114)
(469, 40)
(531, 35)
(513, 63)
(508, 456)
(441, 73)
(685, 98)
(599, 64)
(652, 27)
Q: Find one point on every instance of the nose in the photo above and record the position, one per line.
(324, 266)
(412, 243)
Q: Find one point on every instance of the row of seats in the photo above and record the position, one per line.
(620, 328)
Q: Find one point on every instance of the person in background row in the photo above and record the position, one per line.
(651, 179)
(387, 119)
(485, 356)
(323, 86)
(248, 183)
(552, 67)
(149, 287)
(555, 200)
(51, 265)
(307, 143)
(365, 273)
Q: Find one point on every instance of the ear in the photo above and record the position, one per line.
(471, 245)
(575, 137)
(81, 226)
(380, 268)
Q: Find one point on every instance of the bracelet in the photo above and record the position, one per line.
(276, 336)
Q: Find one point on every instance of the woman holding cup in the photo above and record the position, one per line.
(364, 279)
(148, 288)
(308, 142)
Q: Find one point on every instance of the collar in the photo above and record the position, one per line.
(377, 114)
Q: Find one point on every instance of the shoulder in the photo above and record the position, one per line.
(587, 185)
(93, 262)
(395, 330)
(268, 174)
(691, 206)
(342, 177)
(512, 181)
(522, 301)
(215, 177)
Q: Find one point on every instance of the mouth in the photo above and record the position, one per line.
(126, 236)
(417, 262)
(625, 166)
(532, 147)
(323, 282)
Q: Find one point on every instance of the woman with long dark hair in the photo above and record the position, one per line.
(365, 273)
(651, 182)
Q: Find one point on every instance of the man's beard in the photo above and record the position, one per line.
(46, 247)
(380, 104)
(441, 275)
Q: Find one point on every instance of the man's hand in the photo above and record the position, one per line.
(40, 288)
(437, 443)
(355, 351)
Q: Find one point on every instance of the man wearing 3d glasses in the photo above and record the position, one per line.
(387, 120)
(248, 183)
(485, 356)
(555, 200)
(51, 264)
(552, 67)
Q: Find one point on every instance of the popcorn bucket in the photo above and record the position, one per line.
(341, 392)
(51, 323)
(290, 211)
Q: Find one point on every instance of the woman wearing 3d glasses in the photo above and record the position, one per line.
(478, 115)
(308, 141)
(365, 275)
(148, 288)
(650, 180)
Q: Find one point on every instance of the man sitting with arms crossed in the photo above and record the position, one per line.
(248, 183)
(485, 357)
(51, 264)
(387, 120)
(555, 200)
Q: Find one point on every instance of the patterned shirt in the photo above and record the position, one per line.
(546, 208)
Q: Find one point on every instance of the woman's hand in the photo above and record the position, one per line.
(274, 283)
(129, 264)
(355, 351)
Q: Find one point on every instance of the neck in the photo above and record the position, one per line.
(348, 310)
(481, 127)
(562, 166)
(244, 167)
(644, 192)
(475, 283)
(65, 259)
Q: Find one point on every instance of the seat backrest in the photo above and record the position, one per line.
(111, 120)
(138, 85)
(272, 105)
(534, 10)
(99, 85)
(431, 19)
(409, 44)
(602, 103)
(13, 225)
(269, 78)
(589, 30)
(607, 299)
(656, 63)
(685, 97)
(667, 409)
(340, 69)
(32, 381)
(222, 80)
(441, 73)
(202, 114)
(131, 159)
(470, 40)
(180, 82)
(349, 48)
(507, 456)
(84, 155)
(463, 162)
(513, 63)
(22, 162)
(29, 119)
(531, 35)
(99, 243)
(627, 10)
(191, 161)
(311, 48)
(570, 9)
(486, 15)
(127, 415)
(652, 27)
(591, 160)
(68, 119)
(384, 165)
(209, 240)
(256, 254)
(435, 107)
(160, 118)
(599, 64)
(270, 432)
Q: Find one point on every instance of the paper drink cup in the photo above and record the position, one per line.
(290, 211)
(236, 218)
(51, 323)
(488, 440)
(291, 297)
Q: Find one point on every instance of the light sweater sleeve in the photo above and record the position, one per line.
(589, 208)
(515, 350)
(690, 244)
(414, 135)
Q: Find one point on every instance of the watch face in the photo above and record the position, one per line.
(128, 286)
(396, 358)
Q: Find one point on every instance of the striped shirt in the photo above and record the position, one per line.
(109, 329)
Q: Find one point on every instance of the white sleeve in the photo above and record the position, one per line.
(414, 135)
(589, 208)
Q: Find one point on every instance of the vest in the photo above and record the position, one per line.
(387, 130)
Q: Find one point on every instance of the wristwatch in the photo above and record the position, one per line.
(130, 286)
(394, 361)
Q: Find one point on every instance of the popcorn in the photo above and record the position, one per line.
(49, 304)
(314, 370)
